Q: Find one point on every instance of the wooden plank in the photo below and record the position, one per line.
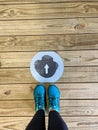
(68, 108)
(71, 74)
(80, 41)
(68, 91)
(74, 123)
(49, 42)
(70, 58)
(44, 27)
(31, 43)
(79, 58)
(46, 11)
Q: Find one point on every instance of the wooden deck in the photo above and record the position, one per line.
(68, 27)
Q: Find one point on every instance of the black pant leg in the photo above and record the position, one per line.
(56, 122)
(37, 122)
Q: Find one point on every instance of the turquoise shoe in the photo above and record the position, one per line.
(54, 98)
(39, 97)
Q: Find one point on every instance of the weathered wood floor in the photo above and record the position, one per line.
(65, 26)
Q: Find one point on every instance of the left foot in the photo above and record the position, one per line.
(39, 97)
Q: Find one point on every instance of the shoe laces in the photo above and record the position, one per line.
(39, 101)
(54, 101)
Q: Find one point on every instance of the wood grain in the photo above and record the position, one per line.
(70, 58)
(74, 123)
(67, 90)
(68, 27)
(50, 10)
(68, 108)
(71, 74)
(46, 27)
(49, 42)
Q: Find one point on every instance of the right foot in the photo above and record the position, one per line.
(54, 98)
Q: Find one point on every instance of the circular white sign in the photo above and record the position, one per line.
(46, 67)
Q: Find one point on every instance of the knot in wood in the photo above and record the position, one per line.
(79, 26)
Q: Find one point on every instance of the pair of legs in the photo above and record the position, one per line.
(55, 121)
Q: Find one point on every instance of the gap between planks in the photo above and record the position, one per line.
(41, 1)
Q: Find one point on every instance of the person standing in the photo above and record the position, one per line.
(55, 121)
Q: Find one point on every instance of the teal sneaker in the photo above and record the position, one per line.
(39, 97)
(54, 98)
